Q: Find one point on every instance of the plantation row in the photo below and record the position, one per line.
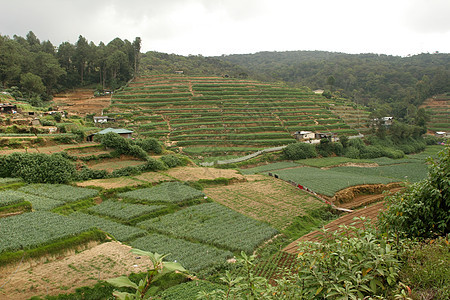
(200, 236)
(202, 111)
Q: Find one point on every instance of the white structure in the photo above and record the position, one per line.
(304, 135)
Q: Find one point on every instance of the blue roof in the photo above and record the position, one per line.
(116, 130)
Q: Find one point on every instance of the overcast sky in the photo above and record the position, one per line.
(216, 27)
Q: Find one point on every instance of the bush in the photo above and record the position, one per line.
(37, 167)
(171, 160)
(421, 211)
(299, 151)
(352, 152)
(152, 165)
(150, 145)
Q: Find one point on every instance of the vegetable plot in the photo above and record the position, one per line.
(213, 224)
(124, 211)
(34, 229)
(62, 192)
(168, 192)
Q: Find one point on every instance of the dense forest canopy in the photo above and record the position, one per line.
(39, 69)
(368, 79)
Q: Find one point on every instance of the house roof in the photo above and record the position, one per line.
(116, 130)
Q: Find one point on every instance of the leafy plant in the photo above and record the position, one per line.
(144, 290)
(422, 211)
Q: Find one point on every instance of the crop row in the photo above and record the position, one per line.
(273, 142)
(30, 230)
(62, 192)
(192, 256)
(124, 211)
(168, 192)
(9, 198)
(213, 224)
(119, 231)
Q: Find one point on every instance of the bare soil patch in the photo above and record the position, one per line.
(197, 173)
(46, 150)
(64, 275)
(349, 194)
(81, 102)
(111, 164)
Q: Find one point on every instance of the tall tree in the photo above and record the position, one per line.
(81, 56)
(137, 52)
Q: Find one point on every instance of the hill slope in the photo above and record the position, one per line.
(218, 115)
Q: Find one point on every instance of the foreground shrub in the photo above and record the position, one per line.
(299, 151)
(422, 211)
(171, 160)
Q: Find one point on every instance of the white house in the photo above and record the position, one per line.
(304, 135)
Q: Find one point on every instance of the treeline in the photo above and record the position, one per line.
(393, 84)
(162, 63)
(35, 70)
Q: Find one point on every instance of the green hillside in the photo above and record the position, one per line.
(438, 107)
(218, 115)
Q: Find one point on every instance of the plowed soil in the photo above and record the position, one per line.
(81, 102)
(65, 274)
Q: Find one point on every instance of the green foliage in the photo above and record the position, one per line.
(61, 192)
(150, 145)
(171, 160)
(30, 230)
(427, 270)
(189, 290)
(213, 224)
(194, 256)
(299, 151)
(37, 167)
(145, 288)
(167, 192)
(362, 265)
(124, 211)
(422, 210)
(119, 231)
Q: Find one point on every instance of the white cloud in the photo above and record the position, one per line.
(214, 27)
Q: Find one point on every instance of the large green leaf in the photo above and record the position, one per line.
(122, 281)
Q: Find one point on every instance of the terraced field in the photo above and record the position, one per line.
(356, 118)
(221, 115)
(439, 109)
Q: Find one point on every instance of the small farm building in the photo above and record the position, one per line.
(103, 119)
(120, 131)
(7, 108)
(304, 135)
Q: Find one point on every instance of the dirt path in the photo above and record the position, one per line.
(64, 275)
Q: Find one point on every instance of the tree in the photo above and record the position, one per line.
(81, 56)
(137, 51)
(32, 84)
(331, 81)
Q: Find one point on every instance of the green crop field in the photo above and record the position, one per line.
(167, 192)
(328, 182)
(119, 231)
(213, 224)
(193, 256)
(61, 192)
(124, 211)
(34, 229)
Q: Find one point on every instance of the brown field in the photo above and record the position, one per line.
(197, 173)
(81, 102)
(65, 274)
(112, 164)
(270, 200)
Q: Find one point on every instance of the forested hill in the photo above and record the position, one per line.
(365, 78)
(153, 62)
